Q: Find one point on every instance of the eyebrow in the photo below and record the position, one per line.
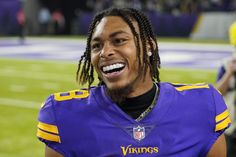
(110, 36)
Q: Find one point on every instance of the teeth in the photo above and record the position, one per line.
(113, 66)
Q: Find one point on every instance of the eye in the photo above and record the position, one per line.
(96, 47)
(119, 41)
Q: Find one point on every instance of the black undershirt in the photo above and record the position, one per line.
(137, 105)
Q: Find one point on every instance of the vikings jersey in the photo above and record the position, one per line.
(185, 122)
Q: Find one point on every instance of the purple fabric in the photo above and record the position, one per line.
(182, 124)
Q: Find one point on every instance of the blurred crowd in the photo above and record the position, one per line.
(163, 6)
(62, 12)
(166, 6)
(59, 16)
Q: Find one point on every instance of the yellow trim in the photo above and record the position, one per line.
(71, 94)
(223, 124)
(48, 136)
(42, 104)
(218, 91)
(191, 87)
(48, 127)
(84, 94)
(222, 116)
(58, 97)
(189, 84)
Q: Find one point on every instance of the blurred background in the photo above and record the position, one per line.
(172, 18)
(41, 42)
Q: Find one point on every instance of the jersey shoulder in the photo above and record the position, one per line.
(69, 95)
(190, 87)
(206, 96)
(62, 102)
(186, 88)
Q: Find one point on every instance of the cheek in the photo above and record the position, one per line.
(94, 61)
(132, 55)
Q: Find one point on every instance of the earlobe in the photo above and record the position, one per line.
(151, 45)
(149, 53)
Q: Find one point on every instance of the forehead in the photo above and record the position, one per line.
(112, 24)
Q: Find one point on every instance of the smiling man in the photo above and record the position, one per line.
(112, 54)
(130, 112)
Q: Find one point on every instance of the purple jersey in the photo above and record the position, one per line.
(185, 122)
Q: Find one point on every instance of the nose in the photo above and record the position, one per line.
(107, 50)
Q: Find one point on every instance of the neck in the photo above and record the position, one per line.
(137, 88)
(135, 106)
(141, 85)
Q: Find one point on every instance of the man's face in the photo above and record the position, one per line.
(114, 53)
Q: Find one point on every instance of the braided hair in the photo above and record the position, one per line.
(85, 71)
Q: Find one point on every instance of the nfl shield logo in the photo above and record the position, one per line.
(139, 133)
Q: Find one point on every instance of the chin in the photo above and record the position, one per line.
(116, 86)
(119, 92)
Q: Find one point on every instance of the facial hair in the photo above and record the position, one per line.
(120, 94)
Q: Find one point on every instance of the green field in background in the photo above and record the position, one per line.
(25, 84)
(159, 39)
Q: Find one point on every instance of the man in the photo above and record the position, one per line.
(130, 113)
(226, 84)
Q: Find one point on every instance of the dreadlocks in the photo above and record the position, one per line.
(85, 71)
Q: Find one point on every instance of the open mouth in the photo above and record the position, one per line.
(113, 68)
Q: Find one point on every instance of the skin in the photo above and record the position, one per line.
(51, 153)
(219, 148)
(113, 42)
(223, 84)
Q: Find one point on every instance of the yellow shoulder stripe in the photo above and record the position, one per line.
(48, 127)
(218, 91)
(222, 116)
(187, 87)
(223, 124)
(48, 136)
(42, 104)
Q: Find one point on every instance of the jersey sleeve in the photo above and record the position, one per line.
(47, 127)
(222, 118)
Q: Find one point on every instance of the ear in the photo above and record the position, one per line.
(151, 46)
